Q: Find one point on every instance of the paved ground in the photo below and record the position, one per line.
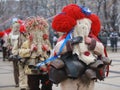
(110, 83)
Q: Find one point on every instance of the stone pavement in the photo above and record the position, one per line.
(110, 83)
(113, 81)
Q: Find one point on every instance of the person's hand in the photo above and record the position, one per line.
(88, 40)
(45, 36)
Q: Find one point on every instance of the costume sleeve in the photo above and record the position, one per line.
(99, 49)
(15, 48)
(25, 50)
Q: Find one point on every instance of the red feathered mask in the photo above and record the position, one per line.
(96, 25)
(2, 34)
(73, 11)
(63, 23)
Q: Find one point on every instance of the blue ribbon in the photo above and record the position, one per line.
(56, 56)
(85, 10)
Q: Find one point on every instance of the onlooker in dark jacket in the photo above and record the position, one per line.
(103, 37)
(114, 40)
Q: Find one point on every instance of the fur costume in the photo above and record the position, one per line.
(16, 33)
(37, 43)
(82, 29)
(17, 37)
(77, 84)
(87, 25)
(34, 50)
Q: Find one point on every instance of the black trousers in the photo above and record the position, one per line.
(16, 71)
(35, 80)
(114, 44)
(4, 51)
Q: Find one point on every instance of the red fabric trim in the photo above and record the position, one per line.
(108, 67)
(62, 37)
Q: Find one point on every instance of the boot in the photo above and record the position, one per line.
(46, 88)
(112, 49)
(91, 74)
(17, 85)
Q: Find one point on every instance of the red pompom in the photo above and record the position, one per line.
(8, 30)
(96, 24)
(2, 34)
(45, 36)
(35, 48)
(73, 11)
(63, 23)
(20, 21)
(22, 28)
(86, 53)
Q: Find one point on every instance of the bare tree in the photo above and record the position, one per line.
(107, 10)
(114, 15)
